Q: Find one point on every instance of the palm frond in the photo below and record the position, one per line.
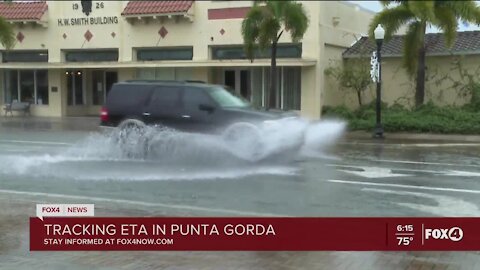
(7, 35)
(251, 30)
(276, 7)
(263, 23)
(268, 30)
(447, 22)
(467, 11)
(423, 10)
(386, 3)
(295, 20)
(391, 19)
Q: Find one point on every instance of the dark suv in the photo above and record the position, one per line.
(185, 106)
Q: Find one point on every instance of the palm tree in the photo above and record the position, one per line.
(263, 26)
(7, 35)
(417, 15)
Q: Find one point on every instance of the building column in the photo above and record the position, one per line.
(310, 93)
(57, 92)
(3, 88)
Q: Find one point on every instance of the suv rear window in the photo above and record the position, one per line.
(166, 96)
(126, 95)
(194, 97)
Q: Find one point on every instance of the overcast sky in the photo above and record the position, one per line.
(376, 6)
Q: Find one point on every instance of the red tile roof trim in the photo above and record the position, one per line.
(228, 13)
(18, 11)
(156, 7)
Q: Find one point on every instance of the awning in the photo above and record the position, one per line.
(151, 64)
(24, 12)
(160, 9)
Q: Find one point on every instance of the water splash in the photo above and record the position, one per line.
(176, 155)
(321, 136)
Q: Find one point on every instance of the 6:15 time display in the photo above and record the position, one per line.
(405, 228)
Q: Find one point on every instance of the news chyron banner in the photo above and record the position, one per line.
(74, 228)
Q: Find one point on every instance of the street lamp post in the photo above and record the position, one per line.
(379, 35)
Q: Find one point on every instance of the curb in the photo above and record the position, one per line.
(362, 135)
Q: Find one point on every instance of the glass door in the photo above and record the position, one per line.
(102, 81)
(75, 87)
(111, 77)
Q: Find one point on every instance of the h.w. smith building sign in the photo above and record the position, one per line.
(87, 7)
(87, 21)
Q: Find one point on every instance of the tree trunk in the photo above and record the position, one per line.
(273, 78)
(420, 87)
(359, 95)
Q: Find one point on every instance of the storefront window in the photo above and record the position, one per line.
(288, 93)
(257, 86)
(27, 86)
(97, 87)
(25, 56)
(274, 101)
(291, 88)
(165, 54)
(238, 52)
(91, 56)
(11, 87)
(42, 86)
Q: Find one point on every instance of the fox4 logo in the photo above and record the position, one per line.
(454, 234)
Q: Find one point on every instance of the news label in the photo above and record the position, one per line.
(65, 210)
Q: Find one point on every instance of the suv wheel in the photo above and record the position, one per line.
(132, 138)
(244, 140)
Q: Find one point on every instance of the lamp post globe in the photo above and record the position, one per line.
(379, 32)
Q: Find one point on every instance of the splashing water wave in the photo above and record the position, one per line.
(176, 155)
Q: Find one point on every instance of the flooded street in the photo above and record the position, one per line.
(195, 175)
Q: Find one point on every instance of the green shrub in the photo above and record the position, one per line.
(340, 112)
(427, 118)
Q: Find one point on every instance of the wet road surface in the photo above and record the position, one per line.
(352, 178)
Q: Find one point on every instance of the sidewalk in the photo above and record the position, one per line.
(414, 137)
(87, 123)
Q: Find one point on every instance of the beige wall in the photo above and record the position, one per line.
(442, 87)
(342, 24)
(339, 25)
(333, 26)
(442, 77)
(334, 94)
